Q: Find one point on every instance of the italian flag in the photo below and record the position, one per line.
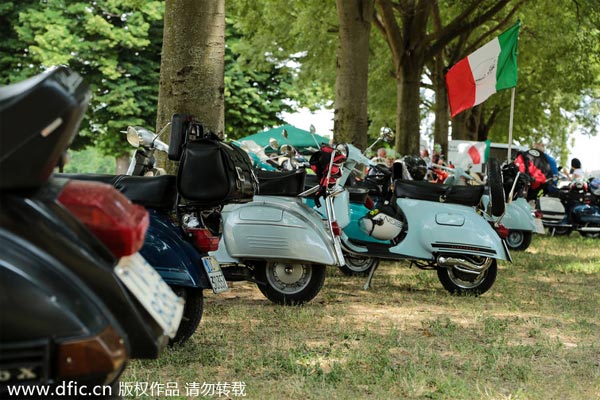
(482, 73)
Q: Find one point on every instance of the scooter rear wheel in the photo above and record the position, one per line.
(192, 313)
(358, 266)
(290, 283)
(458, 282)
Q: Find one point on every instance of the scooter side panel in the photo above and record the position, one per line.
(176, 260)
(428, 231)
(57, 304)
(586, 214)
(299, 234)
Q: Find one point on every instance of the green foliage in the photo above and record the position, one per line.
(89, 160)
(110, 43)
(255, 96)
(301, 33)
(559, 68)
(116, 46)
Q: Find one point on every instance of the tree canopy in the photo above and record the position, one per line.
(116, 46)
(277, 50)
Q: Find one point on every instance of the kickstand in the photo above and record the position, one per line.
(370, 278)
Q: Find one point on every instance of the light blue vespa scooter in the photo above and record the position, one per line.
(434, 226)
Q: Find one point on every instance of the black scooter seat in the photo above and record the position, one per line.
(281, 183)
(421, 190)
(148, 191)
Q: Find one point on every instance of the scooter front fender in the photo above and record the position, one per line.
(168, 252)
(435, 228)
(275, 228)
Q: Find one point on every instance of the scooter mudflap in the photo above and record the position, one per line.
(151, 291)
(215, 274)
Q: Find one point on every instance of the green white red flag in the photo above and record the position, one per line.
(482, 73)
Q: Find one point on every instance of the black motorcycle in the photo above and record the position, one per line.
(77, 300)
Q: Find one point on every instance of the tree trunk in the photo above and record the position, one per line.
(192, 63)
(465, 126)
(409, 98)
(350, 118)
(442, 120)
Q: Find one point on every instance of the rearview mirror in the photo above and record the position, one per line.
(274, 144)
(284, 133)
(138, 136)
(287, 149)
(386, 134)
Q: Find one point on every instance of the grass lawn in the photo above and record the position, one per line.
(534, 335)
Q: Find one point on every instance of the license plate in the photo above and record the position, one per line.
(152, 292)
(215, 274)
(539, 226)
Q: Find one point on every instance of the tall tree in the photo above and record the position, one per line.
(559, 67)
(351, 118)
(192, 62)
(404, 25)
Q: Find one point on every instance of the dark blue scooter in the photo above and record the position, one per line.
(179, 237)
(577, 207)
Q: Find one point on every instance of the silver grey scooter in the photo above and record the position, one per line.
(278, 241)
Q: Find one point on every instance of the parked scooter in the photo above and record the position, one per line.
(179, 236)
(434, 226)
(577, 208)
(78, 300)
(260, 160)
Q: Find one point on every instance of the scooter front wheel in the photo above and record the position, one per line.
(358, 266)
(518, 240)
(457, 281)
(290, 283)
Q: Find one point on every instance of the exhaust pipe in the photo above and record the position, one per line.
(589, 229)
(464, 265)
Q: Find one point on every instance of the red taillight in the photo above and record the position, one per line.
(335, 228)
(502, 231)
(369, 203)
(538, 214)
(118, 223)
(102, 354)
(203, 239)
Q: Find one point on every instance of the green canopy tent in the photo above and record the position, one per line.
(299, 138)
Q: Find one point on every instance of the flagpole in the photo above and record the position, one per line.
(510, 122)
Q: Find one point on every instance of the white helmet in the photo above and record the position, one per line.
(380, 226)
